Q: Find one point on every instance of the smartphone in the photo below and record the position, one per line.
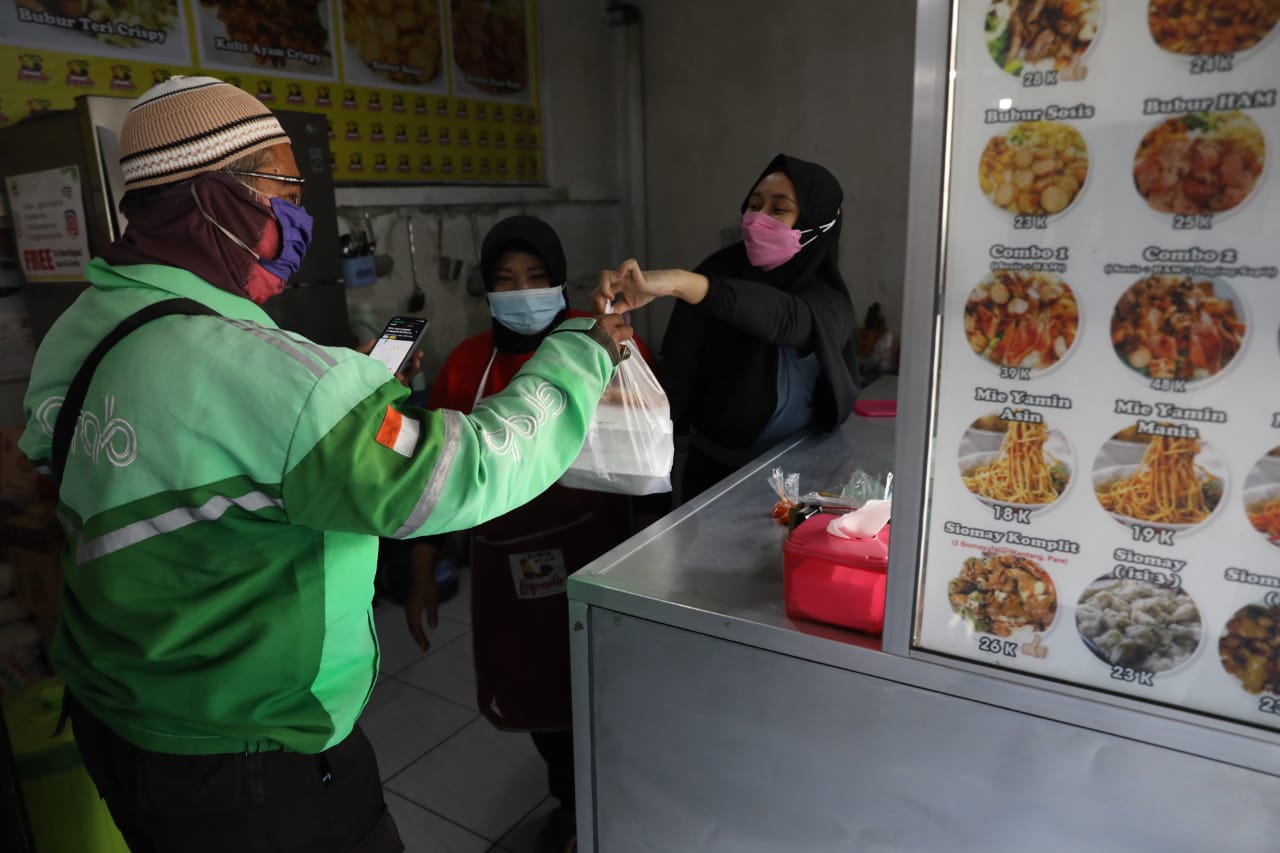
(399, 341)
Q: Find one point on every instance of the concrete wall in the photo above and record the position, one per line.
(728, 85)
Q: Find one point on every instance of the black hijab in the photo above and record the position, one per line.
(522, 234)
(819, 197)
(722, 381)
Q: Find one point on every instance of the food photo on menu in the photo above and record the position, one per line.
(1016, 461)
(1004, 594)
(1042, 35)
(1200, 163)
(1211, 27)
(1160, 476)
(1178, 328)
(146, 16)
(1024, 319)
(1138, 624)
(1036, 168)
(294, 36)
(126, 30)
(1262, 496)
(491, 44)
(396, 40)
(1249, 648)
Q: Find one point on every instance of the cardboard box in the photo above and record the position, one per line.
(34, 542)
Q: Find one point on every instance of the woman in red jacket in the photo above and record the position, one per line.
(521, 561)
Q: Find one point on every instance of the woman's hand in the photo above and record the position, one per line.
(629, 287)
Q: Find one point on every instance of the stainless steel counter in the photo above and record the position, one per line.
(707, 720)
(715, 565)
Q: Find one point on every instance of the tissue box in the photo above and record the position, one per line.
(833, 580)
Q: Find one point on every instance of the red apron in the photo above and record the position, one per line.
(519, 608)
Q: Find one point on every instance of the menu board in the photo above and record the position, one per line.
(1104, 506)
(413, 90)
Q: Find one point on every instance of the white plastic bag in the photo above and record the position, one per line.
(630, 446)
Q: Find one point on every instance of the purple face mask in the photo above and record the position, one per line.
(295, 236)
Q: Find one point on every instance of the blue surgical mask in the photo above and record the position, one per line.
(527, 312)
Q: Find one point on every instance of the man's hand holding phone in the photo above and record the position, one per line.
(397, 346)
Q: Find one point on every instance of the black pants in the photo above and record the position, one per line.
(556, 749)
(238, 803)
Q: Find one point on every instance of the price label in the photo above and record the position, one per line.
(1134, 676)
(1212, 64)
(997, 646)
(1201, 222)
(1032, 79)
(1149, 535)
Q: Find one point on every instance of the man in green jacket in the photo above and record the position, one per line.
(225, 489)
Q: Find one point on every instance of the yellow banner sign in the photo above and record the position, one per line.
(434, 92)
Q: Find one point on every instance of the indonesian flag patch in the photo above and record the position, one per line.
(399, 433)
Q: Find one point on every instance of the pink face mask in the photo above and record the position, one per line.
(770, 244)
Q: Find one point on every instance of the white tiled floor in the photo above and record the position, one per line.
(454, 783)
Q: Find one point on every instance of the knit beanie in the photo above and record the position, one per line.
(188, 125)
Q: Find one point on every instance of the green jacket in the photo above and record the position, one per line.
(224, 494)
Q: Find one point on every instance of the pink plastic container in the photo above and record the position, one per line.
(833, 580)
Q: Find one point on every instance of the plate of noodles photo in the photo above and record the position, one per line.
(1262, 496)
(1178, 327)
(1022, 318)
(1159, 481)
(1200, 163)
(1015, 463)
(1211, 27)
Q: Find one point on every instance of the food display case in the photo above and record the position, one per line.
(1081, 647)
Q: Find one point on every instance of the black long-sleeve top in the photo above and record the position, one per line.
(720, 357)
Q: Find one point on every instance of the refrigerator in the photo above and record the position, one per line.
(73, 156)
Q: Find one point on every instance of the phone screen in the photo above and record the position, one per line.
(398, 341)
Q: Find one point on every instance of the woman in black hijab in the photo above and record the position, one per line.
(755, 349)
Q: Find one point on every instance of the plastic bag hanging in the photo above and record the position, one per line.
(630, 444)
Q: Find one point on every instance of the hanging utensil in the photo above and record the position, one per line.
(475, 278)
(417, 299)
(448, 268)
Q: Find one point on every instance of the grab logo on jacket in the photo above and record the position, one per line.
(107, 437)
(546, 399)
